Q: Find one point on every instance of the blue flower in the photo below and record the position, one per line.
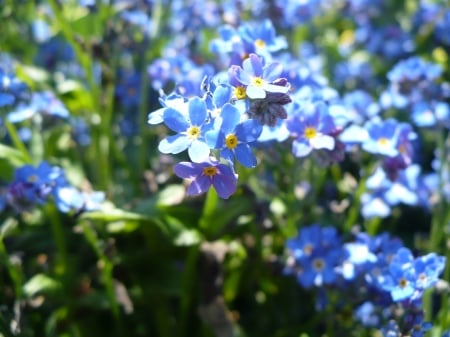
(314, 256)
(33, 185)
(190, 131)
(11, 88)
(233, 136)
(312, 128)
(259, 79)
(400, 279)
(44, 103)
(382, 137)
(261, 37)
(206, 174)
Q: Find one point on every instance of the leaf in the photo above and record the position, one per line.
(115, 214)
(188, 237)
(179, 234)
(41, 283)
(171, 195)
(15, 157)
(122, 226)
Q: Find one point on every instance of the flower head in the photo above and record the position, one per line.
(260, 79)
(206, 174)
(313, 128)
(190, 131)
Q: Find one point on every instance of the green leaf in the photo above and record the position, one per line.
(179, 234)
(15, 157)
(188, 237)
(114, 214)
(171, 195)
(122, 226)
(41, 283)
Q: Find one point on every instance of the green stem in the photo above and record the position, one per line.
(17, 142)
(83, 58)
(13, 272)
(355, 209)
(157, 16)
(102, 134)
(189, 280)
(62, 261)
(107, 274)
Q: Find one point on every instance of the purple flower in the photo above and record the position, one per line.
(203, 175)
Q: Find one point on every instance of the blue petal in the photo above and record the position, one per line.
(173, 144)
(187, 170)
(198, 151)
(227, 154)
(245, 155)
(156, 117)
(231, 117)
(199, 185)
(249, 131)
(6, 99)
(254, 92)
(322, 142)
(222, 95)
(253, 65)
(272, 71)
(242, 76)
(197, 111)
(175, 120)
(224, 183)
(301, 148)
(214, 139)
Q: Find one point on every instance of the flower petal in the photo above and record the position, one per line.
(175, 120)
(197, 111)
(174, 144)
(198, 151)
(199, 185)
(272, 71)
(231, 117)
(187, 170)
(245, 156)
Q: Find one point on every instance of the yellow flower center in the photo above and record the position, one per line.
(258, 82)
(318, 264)
(259, 43)
(231, 141)
(403, 283)
(383, 141)
(310, 133)
(307, 249)
(32, 179)
(193, 132)
(239, 92)
(210, 171)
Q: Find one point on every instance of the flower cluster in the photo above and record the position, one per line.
(224, 124)
(380, 266)
(35, 186)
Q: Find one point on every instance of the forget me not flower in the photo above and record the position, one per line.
(233, 136)
(206, 174)
(260, 79)
(190, 131)
(312, 128)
